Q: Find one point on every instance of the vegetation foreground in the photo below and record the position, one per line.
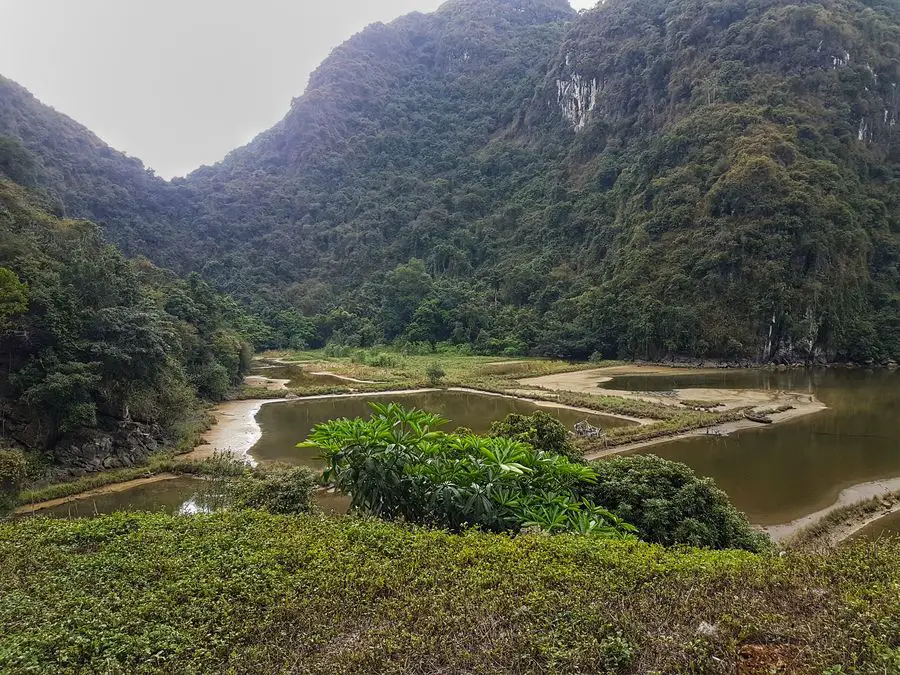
(245, 591)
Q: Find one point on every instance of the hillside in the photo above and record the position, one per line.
(83, 177)
(248, 592)
(640, 180)
(105, 359)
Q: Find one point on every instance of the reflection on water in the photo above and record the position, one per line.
(179, 495)
(783, 472)
(721, 378)
(286, 424)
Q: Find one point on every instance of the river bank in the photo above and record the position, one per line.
(112, 488)
(856, 507)
(585, 391)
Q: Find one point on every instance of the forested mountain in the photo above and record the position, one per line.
(103, 359)
(643, 179)
(82, 176)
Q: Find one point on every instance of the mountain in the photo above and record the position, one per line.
(105, 359)
(644, 179)
(83, 177)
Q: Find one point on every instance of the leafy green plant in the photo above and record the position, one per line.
(277, 489)
(396, 465)
(540, 430)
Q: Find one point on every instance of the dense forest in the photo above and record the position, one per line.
(645, 179)
(104, 359)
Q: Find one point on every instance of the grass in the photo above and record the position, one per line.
(250, 592)
(393, 370)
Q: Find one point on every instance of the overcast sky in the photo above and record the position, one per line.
(179, 83)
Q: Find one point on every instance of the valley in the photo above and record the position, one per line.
(529, 340)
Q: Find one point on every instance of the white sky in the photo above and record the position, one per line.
(179, 83)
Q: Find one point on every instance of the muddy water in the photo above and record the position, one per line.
(779, 473)
(285, 424)
(889, 526)
(185, 496)
(180, 495)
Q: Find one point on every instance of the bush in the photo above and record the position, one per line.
(337, 351)
(13, 469)
(382, 360)
(376, 360)
(540, 430)
(669, 504)
(276, 489)
(397, 467)
(435, 373)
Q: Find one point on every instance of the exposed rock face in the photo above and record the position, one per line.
(577, 98)
(119, 444)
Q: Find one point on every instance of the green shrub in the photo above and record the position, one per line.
(669, 504)
(382, 360)
(396, 467)
(284, 490)
(435, 373)
(337, 351)
(540, 430)
(13, 470)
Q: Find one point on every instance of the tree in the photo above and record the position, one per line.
(404, 288)
(669, 504)
(13, 295)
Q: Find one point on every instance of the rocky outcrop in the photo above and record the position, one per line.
(117, 444)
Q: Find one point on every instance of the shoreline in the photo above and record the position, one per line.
(588, 382)
(848, 498)
(719, 430)
(236, 431)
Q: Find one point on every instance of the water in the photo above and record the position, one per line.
(179, 495)
(782, 472)
(775, 473)
(889, 526)
(286, 424)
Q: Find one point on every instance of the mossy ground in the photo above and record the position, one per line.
(251, 592)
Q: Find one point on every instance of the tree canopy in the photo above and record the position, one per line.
(647, 178)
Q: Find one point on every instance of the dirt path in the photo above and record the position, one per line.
(268, 383)
(520, 395)
(325, 373)
(843, 533)
(719, 430)
(589, 381)
(97, 492)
